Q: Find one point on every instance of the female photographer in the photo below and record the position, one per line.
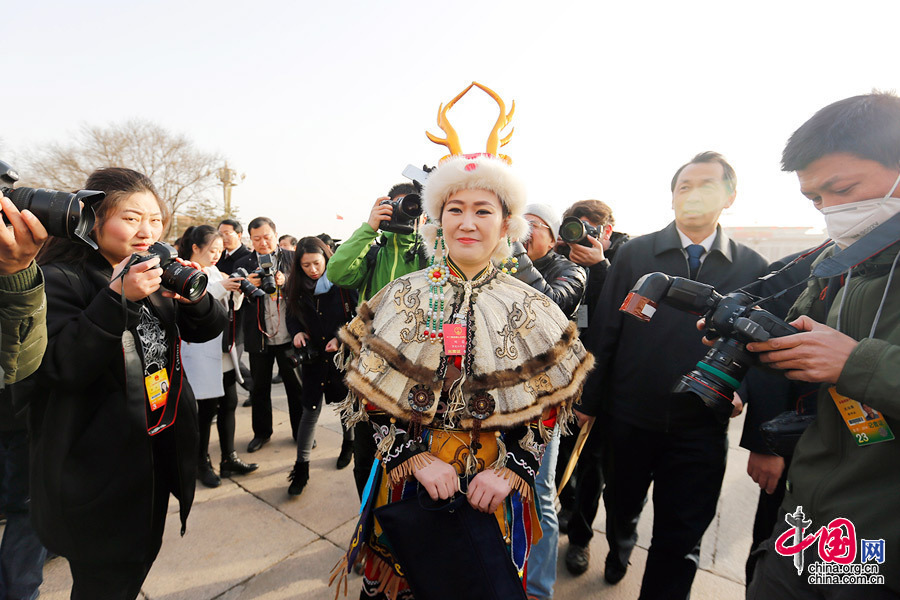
(212, 373)
(462, 370)
(114, 421)
(316, 310)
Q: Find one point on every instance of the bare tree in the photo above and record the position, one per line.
(184, 175)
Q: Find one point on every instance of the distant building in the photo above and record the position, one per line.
(776, 242)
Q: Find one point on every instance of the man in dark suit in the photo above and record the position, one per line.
(653, 434)
(266, 336)
(234, 252)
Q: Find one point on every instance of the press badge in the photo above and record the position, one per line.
(454, 339)
(157, 385)
(865, 423)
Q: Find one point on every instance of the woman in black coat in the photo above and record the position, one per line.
(316, 311)
(114, 422)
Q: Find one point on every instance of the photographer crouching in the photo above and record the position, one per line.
(113, 420)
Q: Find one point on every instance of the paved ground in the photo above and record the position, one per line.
(249, 539)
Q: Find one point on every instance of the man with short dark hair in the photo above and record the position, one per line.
(844, 468)
(288, 242)
(234, 250)
(266, 336)
(652, 434)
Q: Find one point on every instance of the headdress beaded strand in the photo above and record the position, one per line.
(438, 274)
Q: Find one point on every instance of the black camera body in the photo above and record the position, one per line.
(405, 210)
(576, 231)
(181, 279)
(248, 289)
(266, 272)
(62, 214)
(305, 355)
(733, 318)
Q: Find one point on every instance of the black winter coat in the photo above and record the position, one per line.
(96, 473)
(554, 275)
(638, 363)
(253, 312)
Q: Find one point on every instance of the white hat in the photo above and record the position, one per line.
(476, 172)
(547, 214)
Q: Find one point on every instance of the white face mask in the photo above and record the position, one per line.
(846, 223)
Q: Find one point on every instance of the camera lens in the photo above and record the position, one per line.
(61, 213)
(410, 206)
(185, 281)
(717, 375)
(573, 231)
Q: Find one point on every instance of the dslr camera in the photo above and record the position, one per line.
(733, 318)
(405, 211)
(305, 355)
(266, 272)
(247, 288)
(183, 280)
(62, 214)
(576, 231)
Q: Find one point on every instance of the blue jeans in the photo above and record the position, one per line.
(21, 553)
(542, 562)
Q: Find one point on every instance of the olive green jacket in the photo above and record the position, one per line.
(348, 268)
(23, 323)
(831, 476)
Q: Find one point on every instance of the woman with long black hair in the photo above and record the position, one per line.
(212, 369)
(114, 420)
(316, 311)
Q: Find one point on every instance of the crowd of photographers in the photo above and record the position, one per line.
(115, 428)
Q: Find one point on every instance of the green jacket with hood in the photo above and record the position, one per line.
(831, 476)
(23, 323)
(349, 267)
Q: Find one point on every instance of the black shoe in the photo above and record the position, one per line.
(207, 476)
(315, 443)
(257, 443)
(299, 477)
(346, 455)
(614, 571)
(277, 378)
(247, 402)
(564, 517)
(577, 558)
(232, 465)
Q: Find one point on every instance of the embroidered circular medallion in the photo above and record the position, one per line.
(421, 398)
(481, 406)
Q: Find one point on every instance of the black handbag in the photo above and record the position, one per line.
(782, 433)
(449, 550)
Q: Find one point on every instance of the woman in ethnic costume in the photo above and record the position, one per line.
(462, 370)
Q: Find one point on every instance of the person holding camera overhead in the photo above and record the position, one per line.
(266, 336)
(316, 310)
(108, 445)
(213, 374)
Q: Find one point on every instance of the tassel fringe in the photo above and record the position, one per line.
(408, 467)
(516, 483)
(340, 573)
(500, 463)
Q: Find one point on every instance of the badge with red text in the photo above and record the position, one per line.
(454, 339)
(865, 423)
(157, 385)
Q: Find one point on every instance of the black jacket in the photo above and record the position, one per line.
(228, 264)
(555, 276)
(95, 470)
(638, 363)
(253, 312)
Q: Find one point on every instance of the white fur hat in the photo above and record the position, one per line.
(476, 172)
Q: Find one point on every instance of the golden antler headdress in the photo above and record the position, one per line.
(494, 143)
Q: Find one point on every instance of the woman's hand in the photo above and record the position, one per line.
(332, 345)
(141, 280)
(232, 284)
(300, 340)
(439, 479)
(487, 490)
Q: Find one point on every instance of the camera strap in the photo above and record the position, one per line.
(873, 243)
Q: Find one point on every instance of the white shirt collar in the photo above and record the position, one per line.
(686, 241)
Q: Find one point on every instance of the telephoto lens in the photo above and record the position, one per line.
(184, 280)
(248, 289)
(575, 231)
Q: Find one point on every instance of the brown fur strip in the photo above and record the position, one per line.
(529, 414)
(418, 373)
(528, 369)
(364, 312)
(516, 483)
(409, 466)
(350, 340)
(363, 388)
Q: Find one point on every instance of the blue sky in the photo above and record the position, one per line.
(322, 105)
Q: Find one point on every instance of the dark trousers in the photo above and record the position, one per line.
(566, 447)
(261, 364)
(21, 553)
(586, 499)
(363, 454)
(686, 469)
(109, 581)
(223, 409)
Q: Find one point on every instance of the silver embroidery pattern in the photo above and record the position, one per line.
(153, 341)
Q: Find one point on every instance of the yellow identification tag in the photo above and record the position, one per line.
(157, 385)
(865, 423)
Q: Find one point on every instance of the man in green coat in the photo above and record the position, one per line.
(367, 264)
(843, 487)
